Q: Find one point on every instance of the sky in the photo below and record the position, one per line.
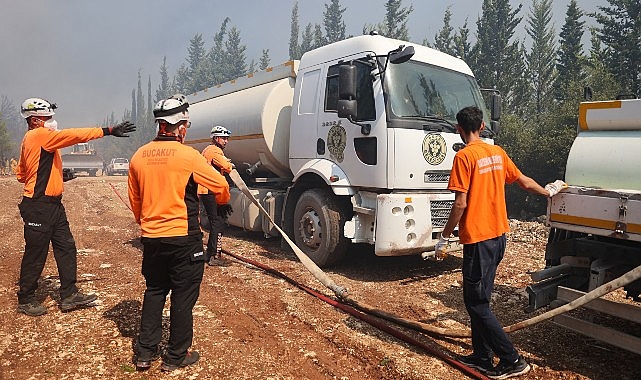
(85, 55)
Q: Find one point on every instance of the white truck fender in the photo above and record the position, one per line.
(333, 175)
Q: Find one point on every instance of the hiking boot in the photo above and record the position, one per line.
(144, 363)
(32, 309)
(506, 370)
(77, 299)
(478, 362)
(191, 358)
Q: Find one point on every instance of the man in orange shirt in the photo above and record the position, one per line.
(44, 216)
(478, 177)
(163, 180)
(217, 215)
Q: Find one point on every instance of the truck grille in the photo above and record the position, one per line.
(443, 176)
(440, 211)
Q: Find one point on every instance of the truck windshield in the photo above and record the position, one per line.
(430, 94)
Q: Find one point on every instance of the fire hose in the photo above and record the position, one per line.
(600, 291)
(352, 306)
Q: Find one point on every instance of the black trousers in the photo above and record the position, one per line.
(216, 223)
(480, 261)
(176, 265)
(45, 221)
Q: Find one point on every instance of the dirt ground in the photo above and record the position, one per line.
(250, 324)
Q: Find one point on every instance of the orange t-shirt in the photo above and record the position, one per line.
(481, 170)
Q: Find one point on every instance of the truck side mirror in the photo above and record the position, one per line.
(495, 106)
(400, 56)
(347, 109)
(347, 82)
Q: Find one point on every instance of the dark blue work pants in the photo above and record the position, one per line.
(480, 261)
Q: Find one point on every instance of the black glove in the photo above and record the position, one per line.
(121, 129)
(68, 174)
(224, 211)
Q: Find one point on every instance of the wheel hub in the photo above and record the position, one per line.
(310, 229)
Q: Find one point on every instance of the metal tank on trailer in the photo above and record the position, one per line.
(257, 110)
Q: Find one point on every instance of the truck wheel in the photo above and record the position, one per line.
(318, 227)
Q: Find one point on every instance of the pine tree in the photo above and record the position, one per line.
(497, 61)
(195, 56)
(141, 113)
(620, 32)
(319, 39)
(604, 83)
(294, 47)
(395, 24)
(570, 59)
(333, 22)
(443, 40)
(540, 59)
(462, 46)
(264, 60)
(307, 42)
(133, 106)
(163, 88)
(149, 122)
(234, 63)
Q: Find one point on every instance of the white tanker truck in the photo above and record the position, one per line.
(341, 147)
(595, 233)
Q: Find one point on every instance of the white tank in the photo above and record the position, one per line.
(257, 110)
(607, 150)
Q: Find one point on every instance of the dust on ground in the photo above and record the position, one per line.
(250, 324)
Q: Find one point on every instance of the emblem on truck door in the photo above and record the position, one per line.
(434, 148)
(336, 141)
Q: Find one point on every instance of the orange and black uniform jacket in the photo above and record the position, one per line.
(216, 158)
(163, 182)
(40, 165)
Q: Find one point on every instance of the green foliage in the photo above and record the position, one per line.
(620, 32)
(264, 60)
(498, 60)
(294, 47)
(163, 88)
(540, 59)
(333, 22)
(444, 40)
(395, 23)
(6, 146)
(569, 63)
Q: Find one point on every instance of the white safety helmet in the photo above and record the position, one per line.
(219, 131)
(36, 107)
(172, 110)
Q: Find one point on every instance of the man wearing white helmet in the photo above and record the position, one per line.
(164, 176)
(45, 220)
(216, 214)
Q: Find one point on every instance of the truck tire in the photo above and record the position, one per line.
(318, 227)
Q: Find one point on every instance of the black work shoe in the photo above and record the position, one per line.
(480, 363)
(144, 363)
(506, 370)
(191, 358)
(75, 300)
(32, 309)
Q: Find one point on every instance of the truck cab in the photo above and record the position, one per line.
(390, 160)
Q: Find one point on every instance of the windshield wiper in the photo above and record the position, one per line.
(434, 119)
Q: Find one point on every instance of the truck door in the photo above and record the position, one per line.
(360, 151)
